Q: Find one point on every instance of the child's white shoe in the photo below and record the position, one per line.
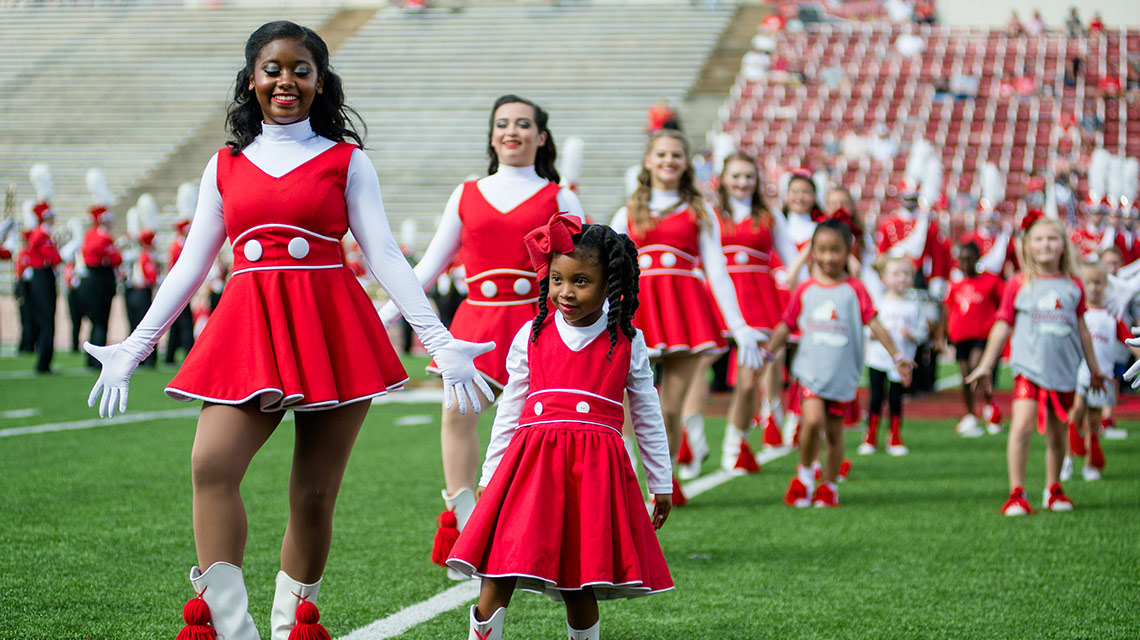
(866, 449)
(968, 427)
(584, 634)
(1091, 474)
(490, 629)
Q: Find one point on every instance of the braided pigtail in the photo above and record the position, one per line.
(543, 310)
(621, 281)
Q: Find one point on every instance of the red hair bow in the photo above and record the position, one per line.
(543, 242)
(843, 215)
(1031, 216)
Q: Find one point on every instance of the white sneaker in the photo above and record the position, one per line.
(1114, 433)
(1090, 474)
(967, 423)
(1067, 469)
(993, 428)
(974, 432)
(897, 450)
(866, 449)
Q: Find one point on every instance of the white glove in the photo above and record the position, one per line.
(456, 363)
(389, 314)
(748, 347)
(1121, 291)
(1133, 373)
(114, 380)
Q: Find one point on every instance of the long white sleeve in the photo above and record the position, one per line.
(648, 423)
(511, 403)
(207, 234)
(369, 225)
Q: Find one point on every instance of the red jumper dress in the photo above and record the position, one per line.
(502, 293)
(294, 329)
(677, 312)
(748, 254)
(564, 509)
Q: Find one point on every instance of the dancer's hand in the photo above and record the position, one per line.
(906, 372)
(662, 503)
(1098, 380)
(455, 361)
(114, 380)
(981, 378)
(748, 347)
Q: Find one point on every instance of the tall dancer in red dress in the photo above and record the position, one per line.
(484, 223)
(294, 329)
(675, 234)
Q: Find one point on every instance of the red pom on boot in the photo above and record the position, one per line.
(684, 452)
(747, 459)
(1076, 442)
(679, 499)
(772, 435)
(445, 537)
(308, 624)
(197, 616)
(1096, 454)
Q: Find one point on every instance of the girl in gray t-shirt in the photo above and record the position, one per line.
(1045, 303)
(830, 309)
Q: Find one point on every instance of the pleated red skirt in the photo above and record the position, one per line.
(564, 511)
(677, 315)
(303, 339)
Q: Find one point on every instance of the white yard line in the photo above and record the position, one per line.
(467, 591)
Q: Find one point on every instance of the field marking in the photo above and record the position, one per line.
(420, 612)
(411, 421)
(21, 413)
(18, 375)
(468, 590)
(949, 382)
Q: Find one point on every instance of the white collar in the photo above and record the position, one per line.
(578, 337)
(741, 208)
(509, 172)
(287, 133)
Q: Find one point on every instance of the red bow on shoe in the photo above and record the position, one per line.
(556, 236)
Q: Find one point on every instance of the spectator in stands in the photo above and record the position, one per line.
(963, 86)
(1073, 70)
(1035, 26)
(880, 145)
(1096, 27)
(924, 12)
(1025, 85)
(660, 116)
(831, 76)
(1014, 28)
(1109, 84)
(942, 88)
(1073, 24)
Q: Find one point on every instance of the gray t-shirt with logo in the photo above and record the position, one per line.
(829, 359)
(1043, 312)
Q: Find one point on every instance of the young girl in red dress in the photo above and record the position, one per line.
(1045, 302)
(293, 330)
(560, 510)
(483, 224)
(675, 234)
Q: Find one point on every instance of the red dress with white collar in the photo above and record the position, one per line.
(564, 508)
(677, 311)
(294, 329)
(502, 294)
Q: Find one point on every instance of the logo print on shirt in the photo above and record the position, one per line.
(1050, 302)
(1050, 316)
(825, 328)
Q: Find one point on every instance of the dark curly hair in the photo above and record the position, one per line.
(617, 255)
(545, 156)
(329, 116)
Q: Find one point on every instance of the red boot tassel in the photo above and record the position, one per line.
(445, 537)
(308, 624)
(197, 616)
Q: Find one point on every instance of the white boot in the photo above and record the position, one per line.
(223, 589)
(585, 634)
(695, 431)
(286, 598)
(731, 449)
(491, 629)
(461, 504)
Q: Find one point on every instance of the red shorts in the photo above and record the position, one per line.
(836, 408)
(1059, 401)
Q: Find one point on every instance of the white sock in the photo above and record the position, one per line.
(805, 474)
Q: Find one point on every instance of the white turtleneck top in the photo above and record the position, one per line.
(276, 151)
(505, 189)
(644, 405)
(712, 254)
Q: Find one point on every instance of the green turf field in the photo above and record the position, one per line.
(96, 536)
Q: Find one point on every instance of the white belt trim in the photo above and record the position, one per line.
(665, 247)
(505, 303)
(599, 424)
(668, 272)
(282, 226)
(495, 272)
(287, 267)
(585, 393)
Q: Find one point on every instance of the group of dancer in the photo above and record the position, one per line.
(563, 325)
